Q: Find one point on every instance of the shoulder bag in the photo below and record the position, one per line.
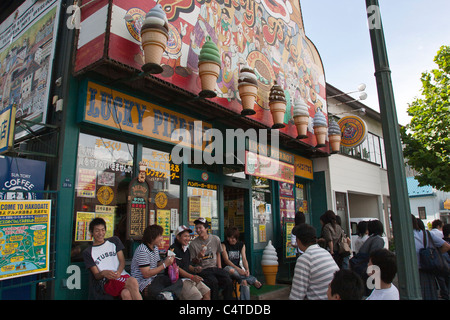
(431, 260)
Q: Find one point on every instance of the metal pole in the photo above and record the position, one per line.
(408, 275)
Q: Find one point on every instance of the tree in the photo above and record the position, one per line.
(426, 138)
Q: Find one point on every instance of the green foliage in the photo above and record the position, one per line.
(426, 138)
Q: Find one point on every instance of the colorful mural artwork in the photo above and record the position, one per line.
(268, 35)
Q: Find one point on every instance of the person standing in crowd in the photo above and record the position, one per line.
(387, 264)
(105, 259)
(332, 233)
(299, 219)
(446, 233)
(375, 240)
(147, 268)
(363, 235)
(193, 286)
(436, 228)
(206, 251)
(427, 280)
(314, 269)
(234, 261)
(346, 285)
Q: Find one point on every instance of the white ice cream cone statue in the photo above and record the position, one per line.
(248, 89)
(320, 128)
(301, 118)
(269, 264)
(277, 104)
(334, 136)
(154, 36)
(209, 65)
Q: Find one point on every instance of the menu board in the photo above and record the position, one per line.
(289, 250)
(138, 206)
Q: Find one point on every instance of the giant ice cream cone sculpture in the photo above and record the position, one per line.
(154, 36)
(301, 118)
(209, 65)
(334, 136)
(320, 128)
(248, 89)
(269, 263)
(277, 104)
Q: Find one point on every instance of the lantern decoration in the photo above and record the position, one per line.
(248, 89)
(301, 118)
(277, 104)
(209, 65)
(154, 36)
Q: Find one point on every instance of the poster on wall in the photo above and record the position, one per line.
(27, 45)
(267, 35)
(24, 237)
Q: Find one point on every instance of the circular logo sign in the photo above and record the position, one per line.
(354, 131)
(105, 195)
(161, 200)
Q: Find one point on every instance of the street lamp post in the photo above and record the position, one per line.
(408, 276)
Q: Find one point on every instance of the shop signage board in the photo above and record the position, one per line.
(27, 45)
(262, 166)
(114, 109)
(267, 35)
(138, 208)
(303, 168)
(354, 131)
(24, 237)
(7, 126)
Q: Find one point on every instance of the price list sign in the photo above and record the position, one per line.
(138, 204)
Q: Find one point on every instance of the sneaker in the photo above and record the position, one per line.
(165, 295)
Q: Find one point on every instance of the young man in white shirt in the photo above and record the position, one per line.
(387, 264)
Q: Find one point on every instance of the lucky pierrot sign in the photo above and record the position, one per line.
(354, 131)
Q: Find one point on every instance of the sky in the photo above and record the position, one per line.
(414, 31)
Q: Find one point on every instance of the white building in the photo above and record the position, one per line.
(428, 203)
(356, 178)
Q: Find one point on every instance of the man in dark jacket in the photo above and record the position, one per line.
(193, 286)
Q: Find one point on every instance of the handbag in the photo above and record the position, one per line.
(173, 272)
(431, 260)
(344, 248)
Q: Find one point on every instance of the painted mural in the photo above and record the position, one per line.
(266, 34)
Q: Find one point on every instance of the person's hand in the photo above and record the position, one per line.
(198, 269)
(196, 279)
(169, 260)
(109, 274)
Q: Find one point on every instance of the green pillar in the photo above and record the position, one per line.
(408, 276)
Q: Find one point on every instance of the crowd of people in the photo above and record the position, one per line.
(208, 269)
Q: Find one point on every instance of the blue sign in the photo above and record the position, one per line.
(23, 176)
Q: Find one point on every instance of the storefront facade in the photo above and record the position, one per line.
(116, 119)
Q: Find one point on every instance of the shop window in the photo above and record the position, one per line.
(104, 170)
(164, 179)
(203, 202)
(301, 201)
(262, 212)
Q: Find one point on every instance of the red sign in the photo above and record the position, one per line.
(261, 166)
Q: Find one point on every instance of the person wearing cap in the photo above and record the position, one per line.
(193, 286)
(205, 252)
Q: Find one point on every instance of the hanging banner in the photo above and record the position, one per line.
(354, 131)
(24, 237)
(27, 45)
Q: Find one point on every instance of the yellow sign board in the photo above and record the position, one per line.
(7, 127)
(303, 167)
(107, 107)
(447, 204)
